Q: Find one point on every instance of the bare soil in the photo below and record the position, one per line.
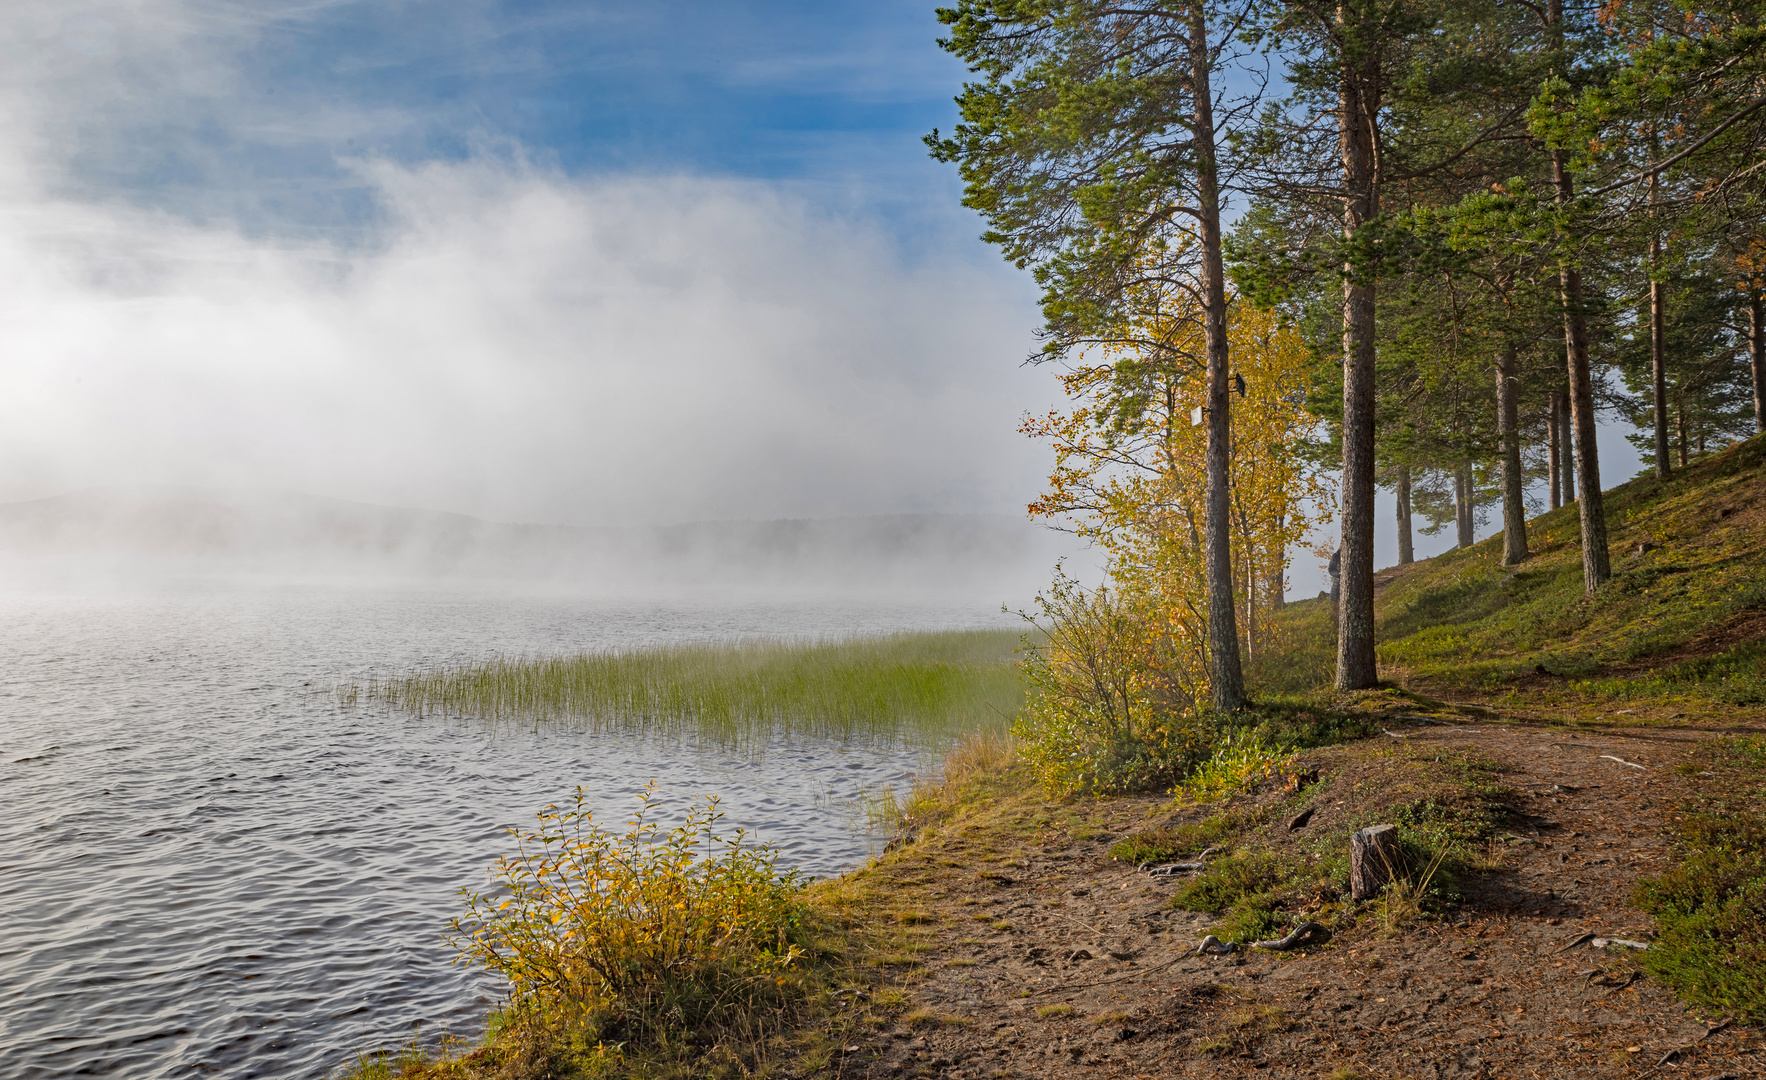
(1041, 956)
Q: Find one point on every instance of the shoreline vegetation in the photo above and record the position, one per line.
(1570, 777)
(920, 687)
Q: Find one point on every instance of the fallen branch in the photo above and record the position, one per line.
(1622, 761)
(1212, 944)
(1169, 869)
(1307, 933)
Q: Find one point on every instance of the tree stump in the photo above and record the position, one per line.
(1374, 859)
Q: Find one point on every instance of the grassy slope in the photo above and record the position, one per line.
(1679, 626)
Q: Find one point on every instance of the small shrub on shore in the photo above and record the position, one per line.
(641, 941)
(1240, 759)
(1113, 695)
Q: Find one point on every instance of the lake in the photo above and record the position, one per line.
(208, 868)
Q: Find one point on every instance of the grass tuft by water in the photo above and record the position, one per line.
(917, 688)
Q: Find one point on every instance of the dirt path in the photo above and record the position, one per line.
(1060, 962)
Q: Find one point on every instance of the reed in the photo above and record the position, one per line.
(918, 688)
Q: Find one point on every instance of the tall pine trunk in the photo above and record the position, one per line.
(1514, 508)
(1566, 449)
(1680, 421)
(1757, 354)
(1658, 374)
(1658, 349)
(1226, 677)
(1595, 565)
(1463, 492)
(1358, 104)
(1406, 551)
(1554, 450)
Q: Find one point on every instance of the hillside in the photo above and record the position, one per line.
(1680, 627)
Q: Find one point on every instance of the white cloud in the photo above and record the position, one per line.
(495, 337)
(520, 344)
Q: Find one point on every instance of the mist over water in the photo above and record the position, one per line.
(126, 536)
(211, 869)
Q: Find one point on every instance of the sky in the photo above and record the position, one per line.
(599, 262)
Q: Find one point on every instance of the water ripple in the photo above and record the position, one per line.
(207, 869)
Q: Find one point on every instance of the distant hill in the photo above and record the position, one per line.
(240, 531)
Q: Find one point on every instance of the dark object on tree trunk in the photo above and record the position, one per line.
(1373, 859)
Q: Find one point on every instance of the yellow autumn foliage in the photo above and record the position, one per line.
(619, 940)
(1116, 687)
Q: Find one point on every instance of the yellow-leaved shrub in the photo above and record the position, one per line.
(1119, 688)
(621, 940)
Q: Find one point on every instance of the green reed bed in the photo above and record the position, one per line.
(917, 687)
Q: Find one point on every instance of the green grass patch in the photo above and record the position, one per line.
(1673, 623)
(1710, 908)
(921, 687)
(1163, 843)
(1230, 880)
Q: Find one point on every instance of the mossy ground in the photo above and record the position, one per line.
(1678, 627)
(1711, 907)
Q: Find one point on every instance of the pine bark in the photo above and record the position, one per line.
(1757, 356)
(1226, 675)
(1462, 505)
(1553, 450)
(1596, 567)
(1406, 550)
(1357, 105)
(1514, 508)
(1658, 361)
(1680, 421)
(1567, 451)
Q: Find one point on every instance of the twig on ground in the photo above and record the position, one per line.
(1622, 761)
(1579, 939)
(1307, 933)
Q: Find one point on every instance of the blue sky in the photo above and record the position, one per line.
(836, 95)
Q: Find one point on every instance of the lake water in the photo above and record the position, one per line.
(209, 869)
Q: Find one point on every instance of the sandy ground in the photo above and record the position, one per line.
(1496, 989)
